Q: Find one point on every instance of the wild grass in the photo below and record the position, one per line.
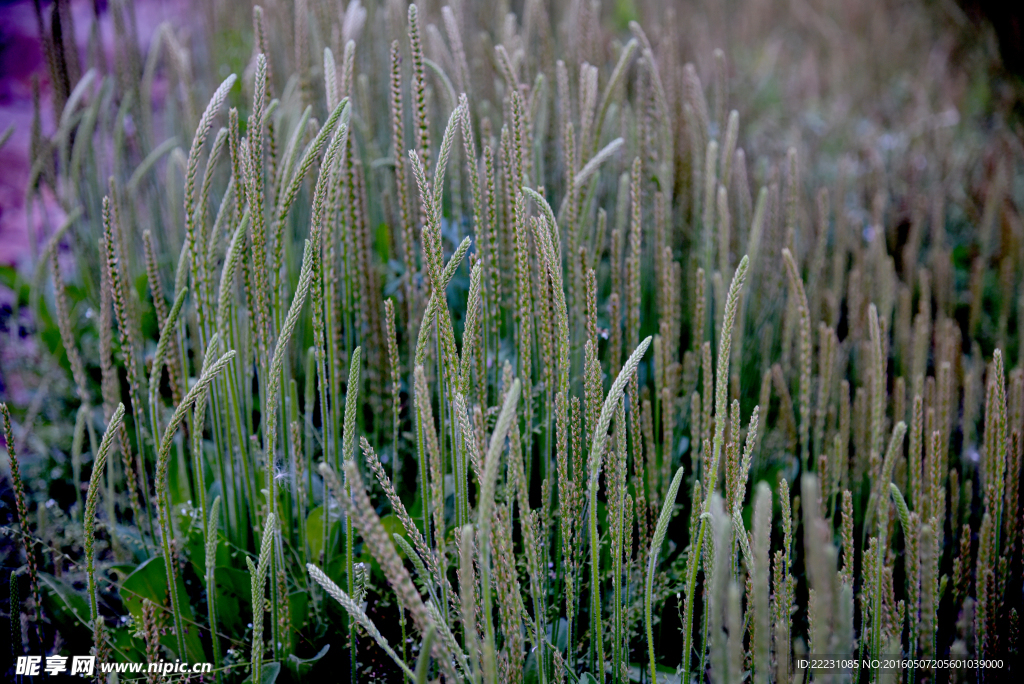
(519, 261)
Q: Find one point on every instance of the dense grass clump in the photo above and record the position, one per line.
(485, 346)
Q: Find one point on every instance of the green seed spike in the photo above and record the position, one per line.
(210, 548)
(667, 509)
(722, 376)
(15, 612)
(89, 521)
(600, 436)
(258, 576)
(483, 524)
(797, 286)
(359, 616)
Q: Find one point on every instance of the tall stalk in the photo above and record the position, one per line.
(163, 457)
(89, 523)
(210, 532)
(652, 563)
(351, 406)
(722, 379)
(594, 468)
(483, 524)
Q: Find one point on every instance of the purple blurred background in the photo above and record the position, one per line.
(21, 56)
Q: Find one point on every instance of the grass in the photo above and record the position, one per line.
(474, 355)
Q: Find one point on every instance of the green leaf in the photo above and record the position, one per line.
(131, 538)
(561, 634)
(66, 607)
(9, 277)
(179, 482)
(234, 595)
(624, 12)
(299, 666)
(231, 585)
(531, 674)
(382, 241)
(298, 604)
(149, 581)
(197, 551)
(392, 525)
(315, 531)
(127, 649)
(270, 673)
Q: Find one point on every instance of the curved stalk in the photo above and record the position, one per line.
(722, 379)
(596, 453)
(652, 564)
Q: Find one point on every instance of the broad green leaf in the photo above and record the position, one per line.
(531, 675)
(298, 604)
(270, 673)
(131, 539)
(149, 581)
(234, 595)
(66, 607)
(126, 647)
(299, 666)
(315, 531)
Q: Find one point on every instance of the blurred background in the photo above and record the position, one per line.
(817, 65)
